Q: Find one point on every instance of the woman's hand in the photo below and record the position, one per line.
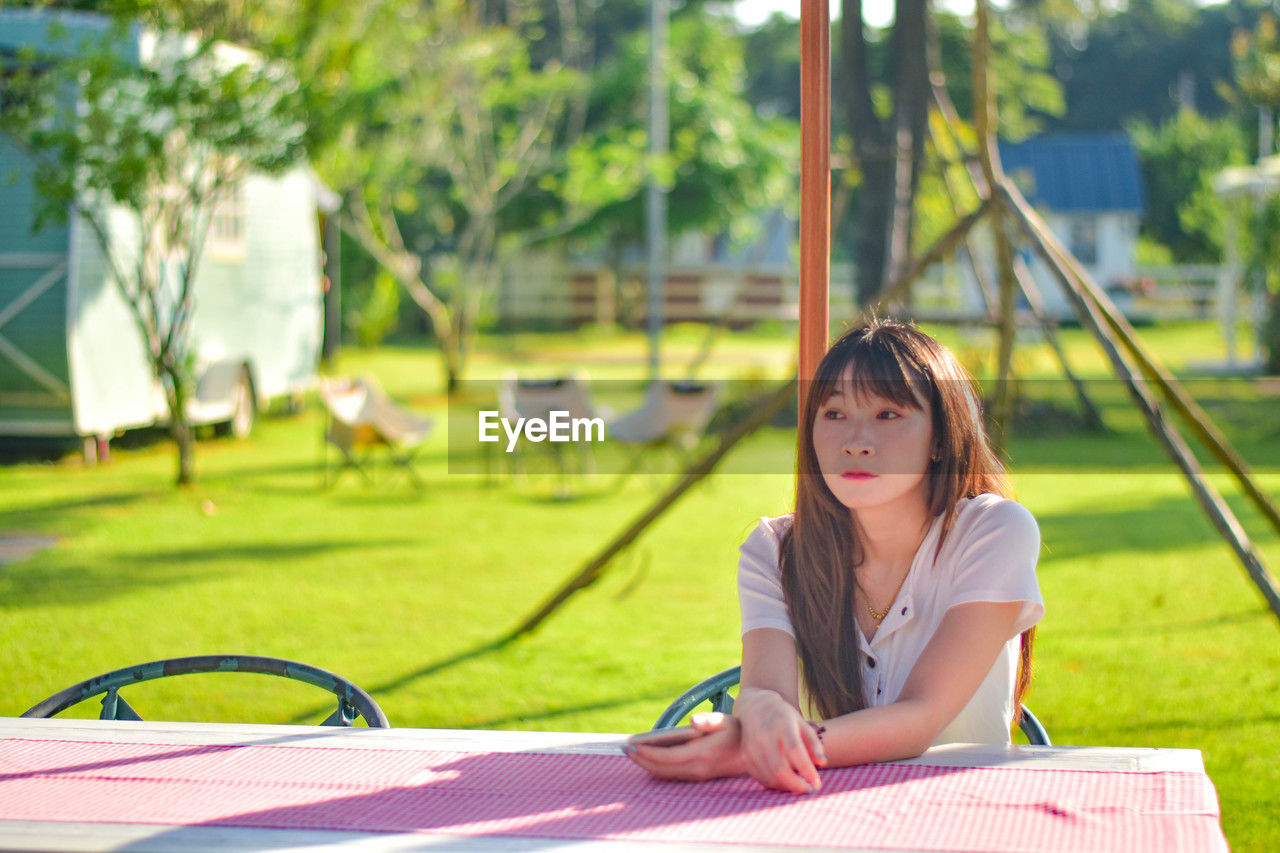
(712, 755)
(779, 748)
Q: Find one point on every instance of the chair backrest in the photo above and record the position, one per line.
(670, 411)
(716, 691)
(345, 401)
(537, 398)
(393, 423)
(352, 701)
(690, 406)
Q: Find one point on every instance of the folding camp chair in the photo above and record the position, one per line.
(538, 398)
(673, 415)
(716, 691)
(362, 419)
(352, 701)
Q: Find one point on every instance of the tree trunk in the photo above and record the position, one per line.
(889, 151)
(454, 358)
(180, 429)
(911, 89)
(1271, 333)
(874, 216)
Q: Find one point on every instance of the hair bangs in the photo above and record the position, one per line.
(876, 366)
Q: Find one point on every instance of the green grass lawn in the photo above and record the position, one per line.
(1153, 634)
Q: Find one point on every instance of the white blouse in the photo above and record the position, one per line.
(989, 555)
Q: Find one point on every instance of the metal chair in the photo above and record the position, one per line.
(352, 701)
(716, 691)
(673, 415)
(537, 399)
(362, 418)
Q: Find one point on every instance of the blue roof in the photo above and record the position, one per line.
(1076, 172)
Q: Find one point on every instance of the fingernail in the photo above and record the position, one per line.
(812, 789)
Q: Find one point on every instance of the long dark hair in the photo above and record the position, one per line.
(819, 553)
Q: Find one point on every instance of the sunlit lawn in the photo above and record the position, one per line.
(1153, 635)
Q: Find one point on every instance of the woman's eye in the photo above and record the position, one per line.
(888, 415)
(831, 414)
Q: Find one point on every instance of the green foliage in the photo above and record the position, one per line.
(1143, 61)
(1257, 63)
(375, 314)
(1179, 159)
(725, 164)
(164, 140)
(1027, 91)
(773, 74)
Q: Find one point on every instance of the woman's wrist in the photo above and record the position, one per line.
(751, 696)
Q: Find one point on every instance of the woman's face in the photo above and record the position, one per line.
(872, 451)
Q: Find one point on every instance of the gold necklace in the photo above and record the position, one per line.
(879, 615)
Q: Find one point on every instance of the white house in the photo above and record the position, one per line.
(1088, 188)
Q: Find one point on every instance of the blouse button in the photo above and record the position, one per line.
(904, 611)
(871, 662)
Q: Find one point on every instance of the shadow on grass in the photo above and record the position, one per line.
(263, 551)
(1166, 524)
(121, 574)
(79, 584)
(664, 696)
(1179, 628)
(422, 672)
(661, 698)
(39, 515)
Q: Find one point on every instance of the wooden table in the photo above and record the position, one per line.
(93, 785)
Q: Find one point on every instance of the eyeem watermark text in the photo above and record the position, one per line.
(558, 426)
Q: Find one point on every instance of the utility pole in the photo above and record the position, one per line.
(656, 197)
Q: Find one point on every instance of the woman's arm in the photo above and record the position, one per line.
(779, 747)
(945, 677)
(767, 736)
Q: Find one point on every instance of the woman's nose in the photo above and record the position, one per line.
(857, 443)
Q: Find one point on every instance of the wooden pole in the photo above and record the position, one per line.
(1092, 314)
(942, 248)
(1092, 417)
(815, 185)
(1201, 424)
(954, 151)
(984, 119)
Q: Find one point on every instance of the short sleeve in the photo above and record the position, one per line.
(760, 581)
(996, 558)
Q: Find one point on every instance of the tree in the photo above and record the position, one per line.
(446, 126)
(888, 140)
(1179, 158)
(725, 164)
(1028, 97)
(1257, 65)
(1144, 61)
(164, 143)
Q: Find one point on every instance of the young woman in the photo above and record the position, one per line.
(901, 592)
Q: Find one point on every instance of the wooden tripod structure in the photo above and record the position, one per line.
(1009, 215)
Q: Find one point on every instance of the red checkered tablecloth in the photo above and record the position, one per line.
(576, 796)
